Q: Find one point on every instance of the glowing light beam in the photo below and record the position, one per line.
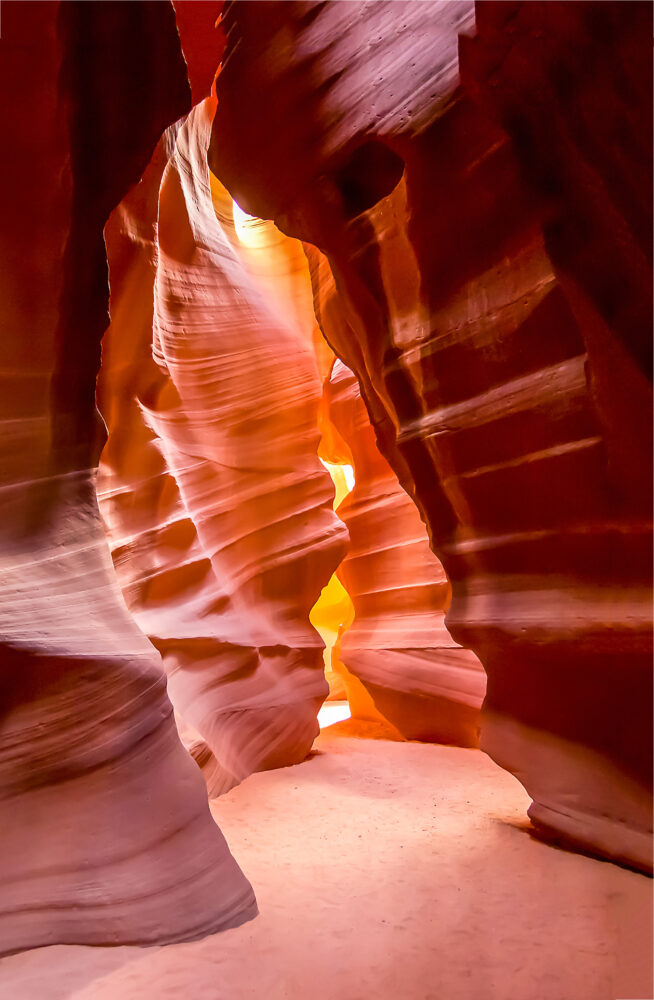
(243, 223)
(333, 712)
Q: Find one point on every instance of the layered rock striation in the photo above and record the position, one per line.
(398, 646)
(514, 403)
(106, 835)
(218, 510)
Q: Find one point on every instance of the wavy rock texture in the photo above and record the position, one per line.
(106, 836)
(420, 679)
(513, 406)
(217, 507)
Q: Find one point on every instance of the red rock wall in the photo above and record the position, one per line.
(106, 836)
(398, 646)
(202, 42)
(514, 407)
(218, 509)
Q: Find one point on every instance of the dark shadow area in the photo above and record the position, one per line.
(548, 837)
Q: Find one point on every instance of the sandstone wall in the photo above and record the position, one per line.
(217, 507)
(106, 835)
(514, 407)
(398, 645)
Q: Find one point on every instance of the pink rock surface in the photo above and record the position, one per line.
(435, 857)
(513, 407)
(106, 835)
(217, 507)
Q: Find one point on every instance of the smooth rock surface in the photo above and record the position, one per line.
(217, 508)
(515, 406)
(376, 880)
(105, 834)
(398, 646)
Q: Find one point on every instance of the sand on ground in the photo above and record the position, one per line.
(385, 869)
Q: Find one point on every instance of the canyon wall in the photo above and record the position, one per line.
(478, 184)
(105, 835)
(218, 511)
(397, 645)
(515, 404)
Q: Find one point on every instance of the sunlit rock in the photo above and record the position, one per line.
(218, 510)
(398, 646)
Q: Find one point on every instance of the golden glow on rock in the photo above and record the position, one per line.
(246, 226)
(333, 612)
(281, 269)
(278, 265)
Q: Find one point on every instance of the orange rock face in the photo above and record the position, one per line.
(514, 405)
(218, 509)
(398, 646)
(106, 835)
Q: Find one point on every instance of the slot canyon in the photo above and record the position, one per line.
(326, 500)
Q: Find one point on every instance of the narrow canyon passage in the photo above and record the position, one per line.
(326, 500)
(386, 870)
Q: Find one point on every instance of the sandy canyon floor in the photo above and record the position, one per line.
(385, 869)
